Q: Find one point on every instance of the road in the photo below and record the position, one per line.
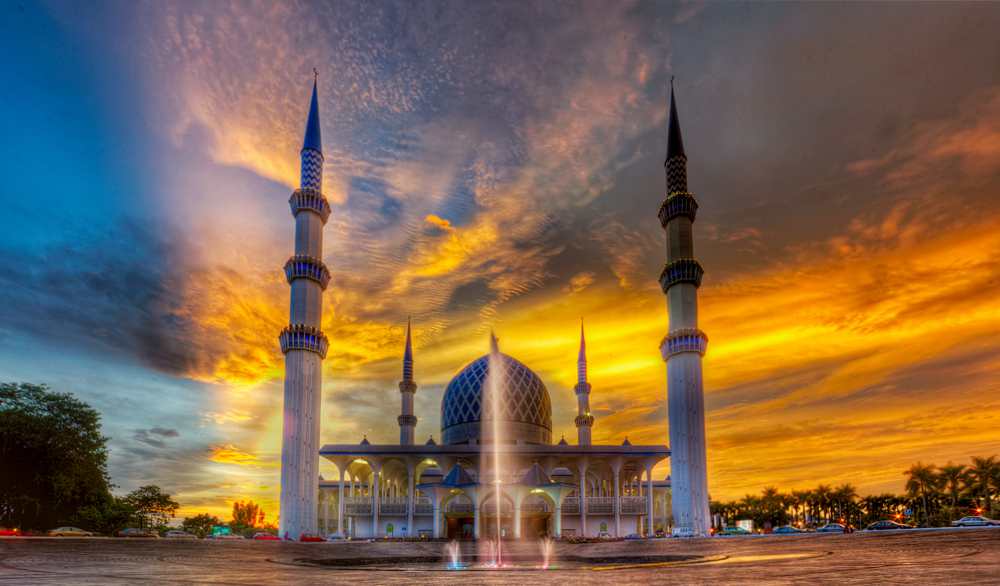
(942, 556)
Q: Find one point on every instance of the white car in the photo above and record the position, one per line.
(974, 521)
(178, 534)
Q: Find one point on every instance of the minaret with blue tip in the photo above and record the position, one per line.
(684, 345)
(407, 389)
(303, 342)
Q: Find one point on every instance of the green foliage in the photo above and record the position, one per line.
(53, 457)
(935, 497)
(247, 517)
(108, 518)
(152, 507)
(200, 525)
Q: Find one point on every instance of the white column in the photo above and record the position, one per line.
(649, 500)
(583, 498)
(618, 501)
(410, 500)
(326, 511)
(557, 525)
(517, 518)
(437, 515)
(475, 519)
(376, 500)
(340, 505)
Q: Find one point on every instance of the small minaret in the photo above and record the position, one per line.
(407, 388)
(584, 420)
(303, 343)
(684, 346)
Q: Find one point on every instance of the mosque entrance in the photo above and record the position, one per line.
(461, 527)
(535, 526)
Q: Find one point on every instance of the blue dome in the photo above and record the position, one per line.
(526, 408)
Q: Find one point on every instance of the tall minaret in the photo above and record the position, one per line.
(303, 343)
(584, 420)
(407, 388)
(684, 346)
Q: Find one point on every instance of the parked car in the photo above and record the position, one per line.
(265, 537)
(339, 537)
(178, 534)
(733, 530)
(141, 533)
(5, 532)
(974, 521)
(659, 533)
(787, 530)
(831, 528)
(69, 532)
(310, 538)
(887, 525)
(226, 536)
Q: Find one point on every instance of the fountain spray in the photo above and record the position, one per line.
(496, 370)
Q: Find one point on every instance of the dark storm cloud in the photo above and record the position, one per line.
(109, 290)
(155, 437)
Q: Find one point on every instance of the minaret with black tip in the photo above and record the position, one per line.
(303, 342)
(684, 345)
(584, 420)
(407, 389)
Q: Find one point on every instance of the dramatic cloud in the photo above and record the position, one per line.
(500, 166)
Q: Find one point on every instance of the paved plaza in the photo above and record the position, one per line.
(941, 556)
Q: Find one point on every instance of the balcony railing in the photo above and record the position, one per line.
(392, 505)
(355, 506)
(360, 506)
(633, 505)
(600, 505)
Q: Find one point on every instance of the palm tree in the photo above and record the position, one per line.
(982, 474)
(822, 498)
(844, 497)
(951, 477)
(922, 482)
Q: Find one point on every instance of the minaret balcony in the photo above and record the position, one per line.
(407, 386)
(584, 420)
(303, 337)
(685, 340)
(582, 388)
(312, 200)
(685, 270)
(307, 267)
(407, 420)
(680, 203)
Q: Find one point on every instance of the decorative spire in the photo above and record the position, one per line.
(313, 138)
(675, 144)
(581, 362)
(408, 355)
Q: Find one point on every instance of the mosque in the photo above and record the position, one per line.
(477, 482)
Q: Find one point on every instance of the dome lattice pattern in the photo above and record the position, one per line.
(525, 399)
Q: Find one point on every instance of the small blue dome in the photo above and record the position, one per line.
(526, 407)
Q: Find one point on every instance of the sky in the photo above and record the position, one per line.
(500, 165)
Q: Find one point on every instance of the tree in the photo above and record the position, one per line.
(951, 477)
(247, 514)
(982, 478)
(53, 457)
(922, 483)
(109, 517)
(200, 525)
(153, 507)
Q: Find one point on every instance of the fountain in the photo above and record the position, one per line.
(495, 387)
(454, 554)
(547, 545)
